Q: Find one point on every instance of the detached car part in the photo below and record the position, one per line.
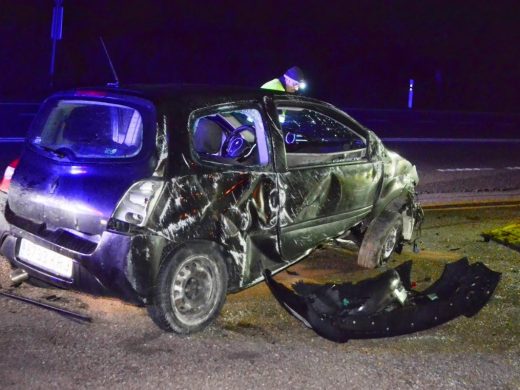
(387, 305)
(64, 312)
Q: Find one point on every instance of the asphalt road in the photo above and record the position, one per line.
(256, 344)
(456, 166)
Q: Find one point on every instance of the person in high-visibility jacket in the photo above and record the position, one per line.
(292, 81)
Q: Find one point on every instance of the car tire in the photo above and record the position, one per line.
(383, 236)
(190, 289)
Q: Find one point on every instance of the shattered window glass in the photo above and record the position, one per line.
(312, 137)
(235, 137)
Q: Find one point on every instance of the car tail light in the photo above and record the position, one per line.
(8, 174)
(134, 208)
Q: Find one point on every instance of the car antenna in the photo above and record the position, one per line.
(116, 83)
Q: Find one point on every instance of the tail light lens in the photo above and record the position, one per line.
(8, 174)
(134, 208)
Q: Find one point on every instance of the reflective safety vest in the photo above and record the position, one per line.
(275, 85)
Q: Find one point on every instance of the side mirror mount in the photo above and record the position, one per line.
(375, 146)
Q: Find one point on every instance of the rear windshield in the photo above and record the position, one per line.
(88, 129)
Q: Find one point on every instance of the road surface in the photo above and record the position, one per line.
(456, 166)
(255, 344)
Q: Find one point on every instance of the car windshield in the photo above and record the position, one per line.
(88, 129)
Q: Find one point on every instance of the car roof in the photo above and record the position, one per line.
(192, 94)
(184, 98)
(180, 100)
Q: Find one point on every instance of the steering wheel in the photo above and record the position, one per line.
(239, 143)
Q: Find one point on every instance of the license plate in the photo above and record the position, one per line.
(45, 259)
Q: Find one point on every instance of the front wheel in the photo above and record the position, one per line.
(190, 290)
(383, 236)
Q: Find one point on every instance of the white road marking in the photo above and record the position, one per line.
(11, 139)
(465, 169)
(452, 140)
(475, 169)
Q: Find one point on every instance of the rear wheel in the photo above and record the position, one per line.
(383, 236)
(190, 290)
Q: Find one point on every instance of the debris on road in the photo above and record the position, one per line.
(64, 312)
(387, 305)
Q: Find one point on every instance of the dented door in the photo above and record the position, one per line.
(329, 183)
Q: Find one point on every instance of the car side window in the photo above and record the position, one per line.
(232, 137)
(312, 137)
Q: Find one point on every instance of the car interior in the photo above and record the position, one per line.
(225, 139)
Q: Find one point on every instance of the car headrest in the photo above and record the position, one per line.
(88, 123)
(207, 137)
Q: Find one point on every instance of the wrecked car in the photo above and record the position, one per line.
(173, 196)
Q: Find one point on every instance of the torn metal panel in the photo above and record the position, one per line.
(161, 146)
(387, 305)
(231, 208)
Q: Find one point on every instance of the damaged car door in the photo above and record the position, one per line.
(236, 177)
(329, 183)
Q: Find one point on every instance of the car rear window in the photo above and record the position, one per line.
(88, 129)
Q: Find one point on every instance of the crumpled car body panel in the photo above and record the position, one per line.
(338, 312)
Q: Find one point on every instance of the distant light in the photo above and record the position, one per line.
(303, 85)
(410, 93)
(281, 118)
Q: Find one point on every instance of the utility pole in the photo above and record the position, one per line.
(56, 35)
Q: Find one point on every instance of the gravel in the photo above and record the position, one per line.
(255, 344)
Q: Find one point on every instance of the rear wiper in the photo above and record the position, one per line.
(59, 152)
(52, 151)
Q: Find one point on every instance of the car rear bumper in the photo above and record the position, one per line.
(115, 268)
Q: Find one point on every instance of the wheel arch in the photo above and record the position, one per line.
(394, 200)
(202, 244)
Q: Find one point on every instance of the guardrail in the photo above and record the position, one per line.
(391, 125)
(439, 124)
(15, 119)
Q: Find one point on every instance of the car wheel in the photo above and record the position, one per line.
(190, 289)
(383, 236)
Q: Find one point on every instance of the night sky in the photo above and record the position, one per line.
(463, 55)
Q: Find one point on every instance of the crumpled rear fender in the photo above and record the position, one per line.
(371, 308)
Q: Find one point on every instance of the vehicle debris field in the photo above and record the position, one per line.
(255, 335)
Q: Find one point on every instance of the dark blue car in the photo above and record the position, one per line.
(172, 196)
